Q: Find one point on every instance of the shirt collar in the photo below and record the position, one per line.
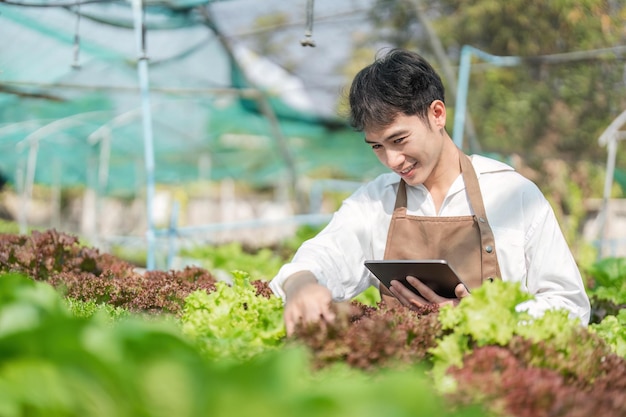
(482, 165)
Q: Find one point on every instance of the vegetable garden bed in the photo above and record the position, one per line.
(84, 334)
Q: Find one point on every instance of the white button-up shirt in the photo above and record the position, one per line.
(530, 245)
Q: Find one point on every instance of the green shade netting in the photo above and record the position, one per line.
(193, 140)
(91, 133)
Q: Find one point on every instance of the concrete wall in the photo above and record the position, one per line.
(606, 226)
(107, 219)
(111, 218)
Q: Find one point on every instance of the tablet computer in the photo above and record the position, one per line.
(436, 273)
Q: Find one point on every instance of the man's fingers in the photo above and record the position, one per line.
(409, 299)
(291, 320)
(396, 290)
(289, 325)
(324, 312)
(424, 290)
(327, 313)
(461, 291)
(307, 302)
(313, 314)
(406, 296)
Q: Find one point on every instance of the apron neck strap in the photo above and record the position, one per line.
(471, 185)
(401, 195)
(491, 269)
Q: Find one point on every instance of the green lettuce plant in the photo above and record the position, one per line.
(233, 322)
(613, 330)
(54, 364)
(608, 277)
(490, 316)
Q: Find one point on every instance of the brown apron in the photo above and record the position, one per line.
(466, 242)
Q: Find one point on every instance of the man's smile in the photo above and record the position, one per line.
(408, 170)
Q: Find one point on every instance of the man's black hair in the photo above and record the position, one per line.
(400, 81)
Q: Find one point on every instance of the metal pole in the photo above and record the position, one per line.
(463, 85)
(28, 183)
(606, 195)
(609, 138)
(32, 140)
(508, 61)
(172, 233)
(142, 70)
(461, 96)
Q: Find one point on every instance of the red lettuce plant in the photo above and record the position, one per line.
(85, 274)
(368, 338)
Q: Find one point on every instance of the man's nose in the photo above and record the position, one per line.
(395, 159)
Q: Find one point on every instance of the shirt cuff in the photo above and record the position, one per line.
(276, 284)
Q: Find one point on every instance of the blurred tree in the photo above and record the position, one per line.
(542, 108)
(545, 107)
(532, 27)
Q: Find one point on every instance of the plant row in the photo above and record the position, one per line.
(481, 358)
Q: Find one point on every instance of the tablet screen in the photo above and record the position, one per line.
(436, 273)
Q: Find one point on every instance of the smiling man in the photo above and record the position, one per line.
(480, 215)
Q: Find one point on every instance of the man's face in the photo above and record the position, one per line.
(409, 147)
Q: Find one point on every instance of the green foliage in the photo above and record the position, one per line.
(522, 27)
(91, 308)
(612, 329)
(553, 108)
(24, 302)
(304, 232)
(9, 227)
(232, 322)
(228, 356)
(135, 256)
(12, 227)
(491, 317)
(608, 278)
(54, 364)
(407, 392)
(369, 297)
(263, 264)
(609, 272)
(568, 186)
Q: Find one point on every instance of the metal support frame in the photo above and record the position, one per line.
(463, 84)
(609, 138)
(26, 183)
(144, 85)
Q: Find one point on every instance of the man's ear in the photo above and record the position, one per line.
(438, 114)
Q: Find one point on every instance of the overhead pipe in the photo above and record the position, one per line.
(463, 84)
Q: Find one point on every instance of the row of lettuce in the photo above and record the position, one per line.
(207, 347)
(63, 357)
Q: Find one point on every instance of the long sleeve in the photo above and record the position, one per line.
(553, 276)
(530, 246)
(356, 232)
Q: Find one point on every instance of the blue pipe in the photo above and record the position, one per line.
(298, 219)
(465, 63)
(171, 234)
(142, 70)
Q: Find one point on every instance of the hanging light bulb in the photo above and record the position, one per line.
(308, 34)
(76, 63)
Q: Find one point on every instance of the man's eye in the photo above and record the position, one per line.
(399, 140)
(376, 146)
